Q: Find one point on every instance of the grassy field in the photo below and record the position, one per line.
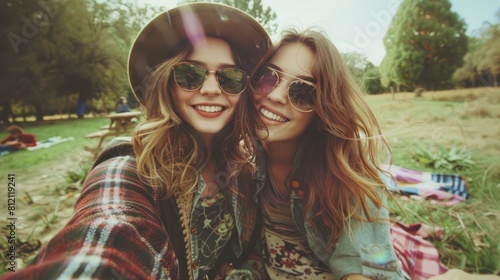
(453, 132)
(24, 161)
(48, 181)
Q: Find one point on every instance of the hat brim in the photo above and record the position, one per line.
(167, 34)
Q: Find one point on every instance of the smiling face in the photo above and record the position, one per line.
(282, 120)
(208, 109)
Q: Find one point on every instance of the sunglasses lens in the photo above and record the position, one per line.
(189, 76)
(301, 95)
(232, 81)
(264, 81)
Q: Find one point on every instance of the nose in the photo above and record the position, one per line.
(211, 85)
(279, 93)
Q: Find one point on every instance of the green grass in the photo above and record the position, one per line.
(18, 162)
(44, 210)
(458, 128)
(454, 132)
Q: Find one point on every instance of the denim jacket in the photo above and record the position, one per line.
(367, 250)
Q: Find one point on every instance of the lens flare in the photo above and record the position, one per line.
(192, 27)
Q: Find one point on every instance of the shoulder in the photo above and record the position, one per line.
(114, 171)
(117, 147)
(117, 174)
(116, 164)
(116, 182)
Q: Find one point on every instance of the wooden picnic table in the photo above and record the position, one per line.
(120, 123)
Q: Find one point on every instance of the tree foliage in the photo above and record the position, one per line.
(22, 21)
(372, 83)
(65, 50)
(425, 44)
(482, 62)
(365, 73)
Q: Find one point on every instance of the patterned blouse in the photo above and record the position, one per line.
(216, 223)
(285, 249)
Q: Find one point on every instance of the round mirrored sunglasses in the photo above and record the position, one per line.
(190, 77)
(300, 92)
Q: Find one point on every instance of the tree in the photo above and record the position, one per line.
(357, 64)
(468, 73)
(19, 31)
(371, 81)
(92, 39)
(65, 48)
(366, 75)
(425, 44)
(482, 62)
(490, 52)
(265, 16)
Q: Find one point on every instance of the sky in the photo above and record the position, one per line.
(359, 25)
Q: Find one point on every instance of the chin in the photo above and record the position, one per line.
(208, 129)
(278, 134)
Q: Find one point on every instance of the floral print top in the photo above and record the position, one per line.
(285, 249)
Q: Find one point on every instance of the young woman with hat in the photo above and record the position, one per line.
(168, 204)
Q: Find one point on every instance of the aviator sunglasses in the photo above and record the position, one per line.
(190, 77)
(300, 92)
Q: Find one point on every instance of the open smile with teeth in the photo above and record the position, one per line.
(209, 109)
(272, 116)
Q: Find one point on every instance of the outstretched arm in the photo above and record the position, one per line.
(115, 232)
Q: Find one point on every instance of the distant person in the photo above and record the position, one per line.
(122, 106)
(17, 140)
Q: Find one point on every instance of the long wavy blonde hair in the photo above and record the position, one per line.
(170, 153)
(338, 156)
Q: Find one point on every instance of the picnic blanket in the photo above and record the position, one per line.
(50, 142)
(418, 257)
(45, 143)
(446, 189)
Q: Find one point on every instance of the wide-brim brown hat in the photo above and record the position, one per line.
(168, 33)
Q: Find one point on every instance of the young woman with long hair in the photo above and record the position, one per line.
(178, 197)
(323, 206)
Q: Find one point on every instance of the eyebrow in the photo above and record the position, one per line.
(300, 77)
(219, 66)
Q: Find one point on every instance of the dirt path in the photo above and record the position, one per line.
(45, 201)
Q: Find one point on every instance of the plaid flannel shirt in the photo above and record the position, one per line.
(115, 210)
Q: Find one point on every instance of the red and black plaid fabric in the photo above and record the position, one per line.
(115, 210)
